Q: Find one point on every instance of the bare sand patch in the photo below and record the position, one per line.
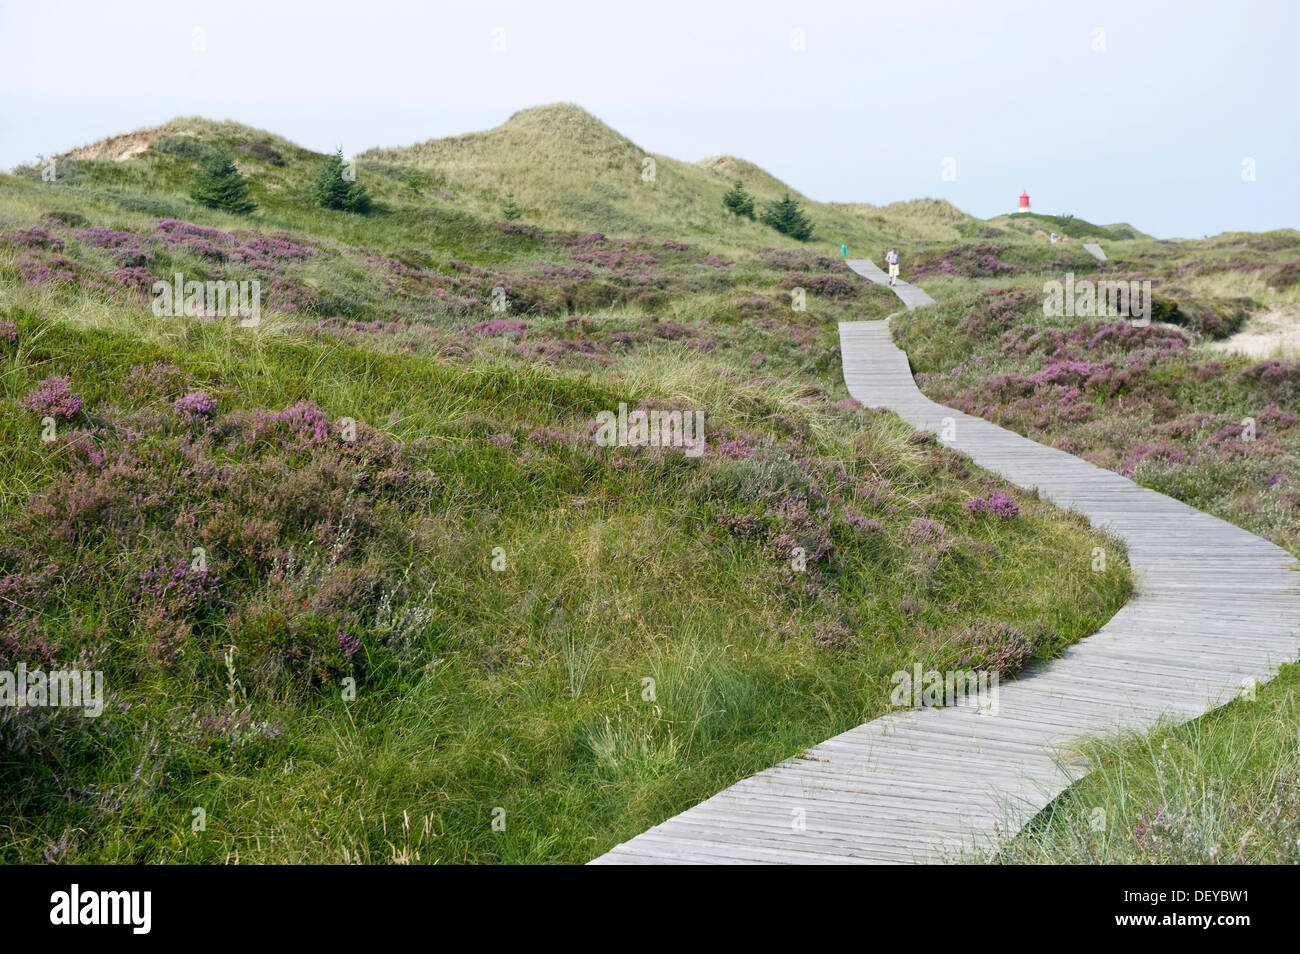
(123, 147)
(1270, 333)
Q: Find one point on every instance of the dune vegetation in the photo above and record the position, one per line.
(1163, 402)
(1223, 789)
(1177, 405)
(365, 584)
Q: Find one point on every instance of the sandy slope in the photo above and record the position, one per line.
(1273, 333)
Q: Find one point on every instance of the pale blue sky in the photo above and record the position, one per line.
(1153, 129)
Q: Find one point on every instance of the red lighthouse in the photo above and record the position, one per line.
(1024, 202)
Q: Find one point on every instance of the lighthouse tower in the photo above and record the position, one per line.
(1024, 202)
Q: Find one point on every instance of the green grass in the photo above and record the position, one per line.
(569, 170)
(1182, 403)
(523, 690)
(566, 169)
(1031, 223)
(522, 694)
(1222, 789)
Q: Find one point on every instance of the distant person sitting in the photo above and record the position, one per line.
(892, 258)
(1053, 238)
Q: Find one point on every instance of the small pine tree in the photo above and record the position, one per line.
(218, 185)
(739, 201)
(788, 219)
(510, 210)
(332, 191)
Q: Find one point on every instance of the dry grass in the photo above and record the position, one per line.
(567, 169)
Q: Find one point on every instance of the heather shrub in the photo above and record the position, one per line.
(47, 750)
(302, 626)
(48, 270)
(228, 732)
(797, 259)
(833, 635)
(183, 147)
(1285, 276)
(997, 504)
(1276, 381)
(993, 646)
(70, 220)
(922, 532)
(968, 261)
(35, 238)
(54, 398)
(195, 405)
(497, 327)
(147, 383)
(765, 474)
(263, 151)
(1206, 319)
(290, 297)
(994, 316)
(833, 286)
(138, 280)
(245, 489)
(25, 587)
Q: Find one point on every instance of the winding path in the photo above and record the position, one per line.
(909, 295)
(1214, 607)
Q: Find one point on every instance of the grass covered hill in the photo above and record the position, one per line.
(363, 584)
(1034, 224)
(569, 170)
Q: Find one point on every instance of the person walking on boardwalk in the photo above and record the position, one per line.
(892, 258)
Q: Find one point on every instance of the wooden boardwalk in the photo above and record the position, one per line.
(1095, 251)
(910, 295)
(1214, 608)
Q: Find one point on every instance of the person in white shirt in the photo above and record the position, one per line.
(892, 258)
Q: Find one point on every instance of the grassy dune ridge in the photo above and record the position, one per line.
(576, 640)
(567, 169)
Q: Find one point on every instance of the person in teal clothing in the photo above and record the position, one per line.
(892, 258)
